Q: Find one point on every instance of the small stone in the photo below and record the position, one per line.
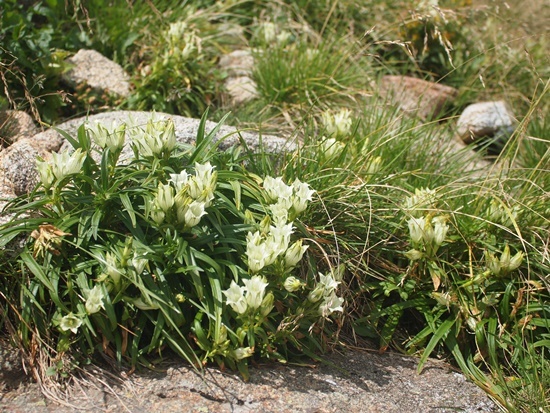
(241, 89)
(95, 70)
(237, 63)
(16, 125)
(485, 119)
(416, 96)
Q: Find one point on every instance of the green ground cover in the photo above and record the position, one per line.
(430, 257)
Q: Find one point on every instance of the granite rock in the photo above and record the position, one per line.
(16, 125)
(417, 97)
(485, 119)
(95, 70)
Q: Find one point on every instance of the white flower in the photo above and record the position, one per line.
(191, 214)
(440, 231)
(292, 284)
(294, 254)
(45, 173)
(330, 304)
(373, 165)
(70, 322)
(302, 194)
(95, 300)
(235, 298)
(279, 238)
(316, 294)
(255, 291)
(64, 164)
(416, 228)
(279, 213)
(164, 199)
(269, 31)
(422, 200)
(112, 137)
(328, 283)
(257, 253)
(337, 124)
(331, 148)
(158, 138)
(243, 352)
(179, 180)
(276, 189)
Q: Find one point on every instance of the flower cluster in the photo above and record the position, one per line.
(158, 139)
(505, 264)
(325, 293)
(111, 137)
(426, 232)
(183, 42)
(185, 196)
(424, 199)
(251, 297)
(337, 124)
(59, 167)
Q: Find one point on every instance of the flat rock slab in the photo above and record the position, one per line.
(357, 381)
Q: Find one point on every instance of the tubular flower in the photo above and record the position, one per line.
(235, 298)
(255, 291)
(95, 300)
(70, 322)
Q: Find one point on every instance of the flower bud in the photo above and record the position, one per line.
(243, 352)
(294, 254)
(292, 284)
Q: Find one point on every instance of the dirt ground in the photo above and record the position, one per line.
(350, 381)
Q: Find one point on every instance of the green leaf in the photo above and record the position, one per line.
(439, 335)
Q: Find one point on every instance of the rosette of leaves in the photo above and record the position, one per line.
(129, 258)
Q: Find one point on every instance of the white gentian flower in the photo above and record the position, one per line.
(65, 164)
(328, 283)
(112, 268)
(164, 198)
(269, 31)
(440, 231)
(139, 263)
(294, 254)
(179, 180)
(373, 165)
(70, 322)
(279, 238)
(257, 252)
(243, 352)
(279, 213)
(422, 200)
(316, 294)
(276, 189)
(112, 137)
(192, 213)
(507, 263)
(267, 304)
(416, 228)
(337, 124)
(255, 291)
(158, 138)
(331, 148)
(235, 298)
(95, 300)
(330, 304)
(302, 194)
(292, 284)
(414, 255)
(45, 173)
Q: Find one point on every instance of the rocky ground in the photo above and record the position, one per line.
(349, 381)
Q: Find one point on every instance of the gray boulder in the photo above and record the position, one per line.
(95, 70)
(485, 119)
